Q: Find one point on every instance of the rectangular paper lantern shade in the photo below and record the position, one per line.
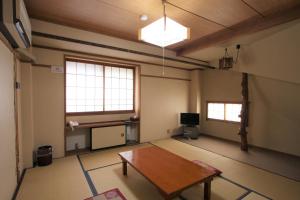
(155, 33)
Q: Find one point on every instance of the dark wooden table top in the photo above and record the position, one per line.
(167, 171)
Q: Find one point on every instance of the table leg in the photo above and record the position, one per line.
(124, 168)
(207, 187)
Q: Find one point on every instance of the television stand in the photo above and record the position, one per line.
(190, 132)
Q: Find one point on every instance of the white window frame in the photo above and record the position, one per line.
(104, 64)
(224, 104)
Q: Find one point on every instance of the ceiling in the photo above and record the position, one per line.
(215, 52)
(120, 18)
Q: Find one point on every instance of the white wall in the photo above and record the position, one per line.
(274, 84)
(47, 88)
(27, 114)
(48, 109)
(276, 56)
(161, 102)
(8, 179)
(272, 53)
(273, 113)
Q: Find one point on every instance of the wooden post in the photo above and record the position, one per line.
(244, 113)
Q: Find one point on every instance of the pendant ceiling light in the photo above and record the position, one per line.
(164, 31)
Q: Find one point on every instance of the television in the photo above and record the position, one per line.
(189, 119)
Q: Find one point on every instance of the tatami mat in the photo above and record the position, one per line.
(136, 187)
(62, 180)
(263, 182)
(65, 179)
(105, 157)
(254, 196)
(274, 162)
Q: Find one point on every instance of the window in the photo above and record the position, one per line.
(224, 111)
(98, 87)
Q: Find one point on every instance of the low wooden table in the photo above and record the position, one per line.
(170, 173)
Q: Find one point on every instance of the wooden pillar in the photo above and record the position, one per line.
(244, 113)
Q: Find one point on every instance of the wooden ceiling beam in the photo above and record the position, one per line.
(246, 27)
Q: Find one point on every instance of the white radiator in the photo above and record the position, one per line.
(107, 137)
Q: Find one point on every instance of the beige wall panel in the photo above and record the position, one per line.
(272, 53)
(169, 72)
(195, 92)
(50, 57)
(219, 86)
(48, 109)
(275, 56)
(19, 116)
(107, 137)
(8, 176)
(274, 120)
(274, 111)
(27, 114)
(161, 102)
(51, 81)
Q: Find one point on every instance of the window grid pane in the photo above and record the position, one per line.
(224, 111)
(85, 91)
(232, 112)
(118, 89)
(215, 111)
(84, 87)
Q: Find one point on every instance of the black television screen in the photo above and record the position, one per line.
(189, 118)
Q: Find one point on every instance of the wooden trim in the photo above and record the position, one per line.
(164, 77)
(52, 21)
(85, 123)
(109, 57)
(246, 27)
(99, 113)
(16, 111)
(99, 61)
(134, 90)
(225, 102)
(195, 69)
(66, 39)
(65, 106)
(221, 120)
(41, 65)
(140, 107)
(196, 59)
(99, 124)
(103, 101)
(252, 8)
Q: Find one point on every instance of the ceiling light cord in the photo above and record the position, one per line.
(163, 67)
(164, 13)
(165, 28)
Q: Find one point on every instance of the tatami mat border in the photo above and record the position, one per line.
(240, 161)
(233, 182)
(88, 178)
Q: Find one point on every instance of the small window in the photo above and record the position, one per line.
(224, 111)
(98, 87)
